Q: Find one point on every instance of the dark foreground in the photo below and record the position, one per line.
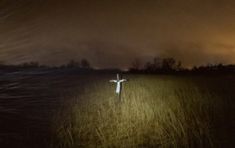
(30, 101)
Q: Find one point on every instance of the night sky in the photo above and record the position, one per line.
(111, 33)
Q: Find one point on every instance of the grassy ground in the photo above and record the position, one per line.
(156, 111)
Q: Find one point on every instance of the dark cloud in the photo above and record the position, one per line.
(113, 33)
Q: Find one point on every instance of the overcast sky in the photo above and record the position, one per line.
(111, 33)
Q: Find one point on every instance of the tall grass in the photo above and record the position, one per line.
(155, 111)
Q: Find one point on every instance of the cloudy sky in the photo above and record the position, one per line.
(111, 33)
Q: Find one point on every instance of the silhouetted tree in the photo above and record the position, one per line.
(85, 63)
(164, 65)
(136, 65)
(30, 64)
(73, 64)
(214, 69)
(179, 66)
(149, 67)
(157, 63)
(168, 64)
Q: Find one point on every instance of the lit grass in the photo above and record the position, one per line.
(156, 111)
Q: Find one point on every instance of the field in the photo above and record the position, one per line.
(155, 111)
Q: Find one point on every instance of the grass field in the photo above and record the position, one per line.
(156, 111)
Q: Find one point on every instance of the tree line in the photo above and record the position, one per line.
(155, 66)
(172, 66)
(84, 64)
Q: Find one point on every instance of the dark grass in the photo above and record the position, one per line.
(34, 108)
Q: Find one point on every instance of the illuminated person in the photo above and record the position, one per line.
(118, 85)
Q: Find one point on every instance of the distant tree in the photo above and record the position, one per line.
(136, 65)
(149, 67)
(157, 63)
(85, 63)
(73, 64)
(34, 64)
(30, 64)
(179, 66)
(168, 64)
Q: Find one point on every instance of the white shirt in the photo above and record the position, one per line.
(118, 86)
